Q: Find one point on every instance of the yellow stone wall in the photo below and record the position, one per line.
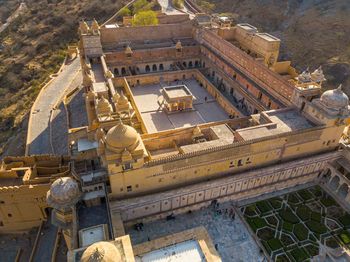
(23, 207)
(185, 169)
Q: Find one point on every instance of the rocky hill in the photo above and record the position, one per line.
(313, 32)
(33, 47)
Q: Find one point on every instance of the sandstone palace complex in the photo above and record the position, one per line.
(183, 115)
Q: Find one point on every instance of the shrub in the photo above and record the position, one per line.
(286, 240)
(304, 213)
(312, 250)
(275, 203)
(266, 233)
(292, 198)
(299, 254)
(274, 244)
(332, 243)
(287, 226)
(272, 220)
(124, 12)
(140, 5)
(345, 237)
(301, 232)
(178, 3)
(282, 258)
(316, 227)
(250, 210)
(288, 216)
(305, 194)
(328, 201)
(316, 216)
(263, 206)
(256, 223)
(345, 220)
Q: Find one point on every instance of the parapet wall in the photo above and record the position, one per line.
(128, 34)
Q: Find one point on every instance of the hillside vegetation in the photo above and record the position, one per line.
(313, 32)
(33, 47)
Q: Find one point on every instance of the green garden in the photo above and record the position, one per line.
(293, 227)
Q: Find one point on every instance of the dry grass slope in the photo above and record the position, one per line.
(33, 47)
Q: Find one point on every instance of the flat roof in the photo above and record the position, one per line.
(174, 92)
(268, 37)
(148, 101)
(185, 251)
(282, 121)
(248, 27)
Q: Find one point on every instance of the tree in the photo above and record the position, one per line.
(124, 12)
(140, 5)
(143, 18)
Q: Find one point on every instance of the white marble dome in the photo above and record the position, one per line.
(335, 99)
(63, 193)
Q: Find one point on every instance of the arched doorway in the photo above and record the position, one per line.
(343, 190)
(154, 67)
(190, 64)
(161, 67)
(116, 71)
(147, 68)
(334, 183)
(123, 71)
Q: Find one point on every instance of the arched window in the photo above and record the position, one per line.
(154, 67)
(161, 67)
(147, 68)
(196, 63)
(116, 71)
(184, 64)
(190, 64)
(123, 71)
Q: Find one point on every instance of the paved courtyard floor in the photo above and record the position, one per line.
(231, 237)
(205, 107)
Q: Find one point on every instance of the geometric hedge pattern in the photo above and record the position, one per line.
(294, 226)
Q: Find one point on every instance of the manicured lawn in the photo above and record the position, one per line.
(304, 213)
(293, 224)
(288, 216)
(328, 201)
(312, 250)
(263, 206)
(305, 194)
(299, 254)
(316, 227)
(274, 244)
(301, 232)
(288, 226)
(316, 216)
(256, 222)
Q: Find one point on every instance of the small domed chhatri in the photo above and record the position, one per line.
(335, 99)
(101, 252)
(121, 137)
(63, 193)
